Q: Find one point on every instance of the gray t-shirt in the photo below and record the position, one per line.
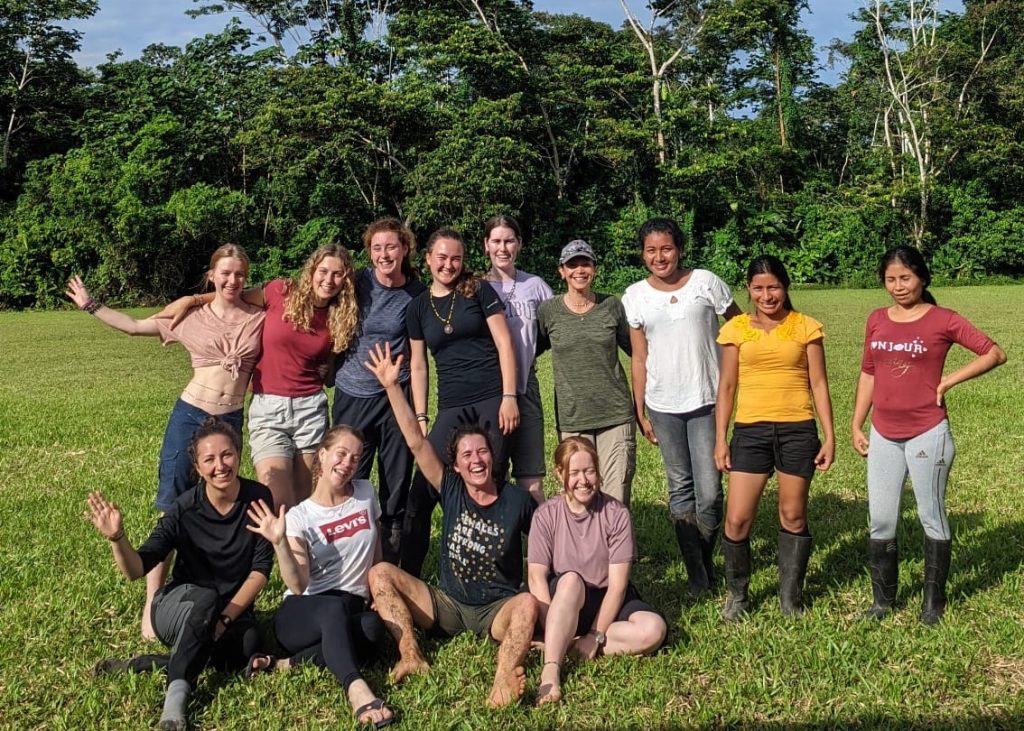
(522, 300)
(591, 390)
(381, 320)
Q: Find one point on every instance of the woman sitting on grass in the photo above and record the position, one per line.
(773, 366)
(204, 614)
(223, 339)
(325, 547)
(905, 348)
(580, 552)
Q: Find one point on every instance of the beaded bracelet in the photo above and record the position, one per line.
(91, 306)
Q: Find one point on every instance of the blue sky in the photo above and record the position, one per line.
(131, 25)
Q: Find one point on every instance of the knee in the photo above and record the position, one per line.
(381, 576)
(653, 631)
(737, 527)
(526, 608)
(793, 521)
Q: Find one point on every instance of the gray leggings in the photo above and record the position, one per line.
(928, 457)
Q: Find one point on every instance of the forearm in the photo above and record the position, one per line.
(823, 408)
(723, 413)
(862, 399)
(610, 606)
(127, 558)
(979, 366)
(507, 363)
(419, 382)
(639, 371)
(246, 595)
(120, 321)
(293, 575)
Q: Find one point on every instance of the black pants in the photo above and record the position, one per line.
(332, 630)
(381, 439)
(423, 498)
(184, 618)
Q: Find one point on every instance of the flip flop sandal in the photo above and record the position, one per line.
(252, 669)
(375, 705)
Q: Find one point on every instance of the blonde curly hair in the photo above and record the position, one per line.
(343, 310)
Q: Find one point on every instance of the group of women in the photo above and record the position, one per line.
(762, 371)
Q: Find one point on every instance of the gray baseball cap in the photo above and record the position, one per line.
(577, 247)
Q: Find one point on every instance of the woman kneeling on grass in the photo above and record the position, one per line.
(905, 349)
(580, 551)
(773, 364)
(204, 614)
(325, 547)
(223, 340)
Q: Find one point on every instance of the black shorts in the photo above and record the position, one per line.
(766, 446)
(631, 603)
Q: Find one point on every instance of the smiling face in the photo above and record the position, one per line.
(216, 461)
(905, 287)
(578, 274)
(228, 278)
(386, 254)
(661, 255)
(327, 279)
(340, 459)
(580, 478)
(768, 294)
(445, 261)
(502, 247)
(473, 461)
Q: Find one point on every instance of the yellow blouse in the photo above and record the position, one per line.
(773, 382)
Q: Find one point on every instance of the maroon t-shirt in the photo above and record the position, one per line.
(291, 363)
(906, 359)
(584, 542)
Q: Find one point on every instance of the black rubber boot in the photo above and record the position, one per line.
(708, 539)
(884, 577)
(794, 551)
(689, 540)
(737, 578)
(936, 571)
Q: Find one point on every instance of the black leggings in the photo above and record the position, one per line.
(332, 630)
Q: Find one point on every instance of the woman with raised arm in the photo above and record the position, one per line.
(773, 373)
(580, 553)
(204, 614)
(673, 319)
(902, 385)
(521, 294)
(461, 320)
(325, 547)
(383, 291)
(223, 339)
(585, 331)
(309, 319)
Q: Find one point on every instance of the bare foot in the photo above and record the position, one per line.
(550, 690)
(409, 666)
(507, 688)
(148, 633)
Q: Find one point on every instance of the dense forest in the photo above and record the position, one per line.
(444, 112)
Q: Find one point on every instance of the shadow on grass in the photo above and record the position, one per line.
(987, 721)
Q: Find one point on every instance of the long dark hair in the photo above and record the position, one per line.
(913, 260)
(768, 264)
(467, 284)
(662, 226)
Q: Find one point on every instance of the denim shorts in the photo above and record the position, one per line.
(280, 426)
(766, 446)
(177, 475)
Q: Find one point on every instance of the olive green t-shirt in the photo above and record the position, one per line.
(591, 390)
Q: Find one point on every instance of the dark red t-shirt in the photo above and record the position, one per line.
(906, 359)
(291, 362)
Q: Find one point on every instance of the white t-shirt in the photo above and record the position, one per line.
(340, 540)
(521, 302)
(681, 327)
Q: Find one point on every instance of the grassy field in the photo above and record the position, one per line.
(83, 407)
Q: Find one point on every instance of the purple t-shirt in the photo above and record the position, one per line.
(521, 302)
(906, 359)
(584, 542)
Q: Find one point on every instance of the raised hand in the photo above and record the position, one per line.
(104, 515)
(265, 523)
(77, 292)
(381, 365)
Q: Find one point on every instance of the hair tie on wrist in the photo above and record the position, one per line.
(117, 536)
(509, 395)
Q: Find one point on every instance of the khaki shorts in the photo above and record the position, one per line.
(616, 456)
(452, 617)
(280, 426)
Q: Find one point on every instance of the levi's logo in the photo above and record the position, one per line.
(346, 527)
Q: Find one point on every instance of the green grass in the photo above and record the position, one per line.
(83, 407)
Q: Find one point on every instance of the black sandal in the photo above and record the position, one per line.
(375, 705)
(252, 669)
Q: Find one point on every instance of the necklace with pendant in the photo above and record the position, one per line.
(447, 321)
